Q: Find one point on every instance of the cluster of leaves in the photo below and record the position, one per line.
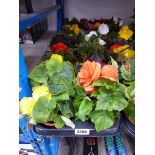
(92, 50)
(128, 78)
(69, 99)
(60, 79)
(102, 106)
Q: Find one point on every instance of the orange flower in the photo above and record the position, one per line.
(59, 47)
(89, 72)
(114, 46)
(109, 72)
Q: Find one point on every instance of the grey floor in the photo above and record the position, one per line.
(33, 54)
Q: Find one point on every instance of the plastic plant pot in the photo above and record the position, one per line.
(87, 126)
(128, 126)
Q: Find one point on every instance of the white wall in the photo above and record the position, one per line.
(99, 8)
(89, 9)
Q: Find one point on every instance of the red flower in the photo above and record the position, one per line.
(61, 47)
(114, 46)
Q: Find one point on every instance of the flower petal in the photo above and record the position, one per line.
(97, 72)
(109, 72)
(89, 89)
(103, 29)
(101, 42)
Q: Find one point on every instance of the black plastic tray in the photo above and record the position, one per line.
(69, 132)
(128, 127)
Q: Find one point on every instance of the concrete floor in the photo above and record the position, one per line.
(33, 54)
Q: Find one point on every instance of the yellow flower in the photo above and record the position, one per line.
(39, 91)
(128, 53)
(57, 56)
(74, 28)
(120, 49)
(125, 33)
(26, 105)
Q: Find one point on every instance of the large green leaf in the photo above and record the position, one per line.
(68, 74)
(65, 109)
(104, 83)
(130, 112)
(39, 73)
(56, 89)
(80, 92)
(54, 65)
(59, 123)
(34, 83)
(111, 101)
(42, 109)
(102, 119)
(119, 87)
(95, 93)
(60, 73)
(52, 117)
(77, 102)
(71, 90)
(131, 89)
(61, 97)
(85, 108)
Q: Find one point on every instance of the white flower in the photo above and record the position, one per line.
(115, 19)
(103, 29)
(101, 42)
(87, 37)
(120, 22)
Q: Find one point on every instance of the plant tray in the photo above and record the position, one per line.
(128, 126)
(82, 129)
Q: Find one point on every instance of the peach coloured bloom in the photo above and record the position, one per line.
(89, 73)
(109, 72)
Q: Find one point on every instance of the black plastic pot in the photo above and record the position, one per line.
(128, 126)
(66, 131)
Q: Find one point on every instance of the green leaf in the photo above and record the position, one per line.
(111, 101)
(122, 89)
(95, 93)
(42, 109)
(65, 109)
(128, 70)
(39, 73)
(61, 97)
(102, 119)
(68, 122)
(114, 63)
(131, 89)
(57, 78)
(85, 108)
(53, 65)
(104, 83)
(59, 123)
(52, 117)
(77, 102)
(80, 92)
(71, 90)
(130, 112)
(56, 89)
(34, 83)
(68, 74)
